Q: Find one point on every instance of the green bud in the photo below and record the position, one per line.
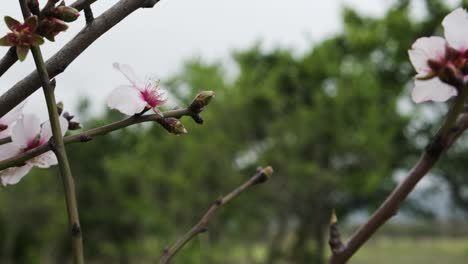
(174, 126)
(60, 107)
(67, 14)
(201, 100)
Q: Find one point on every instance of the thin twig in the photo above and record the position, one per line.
(65, 56)
(262, 175)
(59, 150)
(452, 128)
(88, 12)
(90, 134)
(10, 58)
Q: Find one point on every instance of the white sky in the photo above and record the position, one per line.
(157, 41)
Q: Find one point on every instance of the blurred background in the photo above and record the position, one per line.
(320, 91)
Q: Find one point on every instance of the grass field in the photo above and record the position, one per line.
(413, 251)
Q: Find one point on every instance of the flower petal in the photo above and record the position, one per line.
(14, 175)
(46, 130)
(128, 71)
(13, 115)
(44, 160)
(127, 100)
(25, 130)
(432, 90)
(425, 49)
(8, 150)
(456, 29)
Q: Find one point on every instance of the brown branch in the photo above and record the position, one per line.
(452, 128)
(10, 58)
(262, 175)
(65, 56)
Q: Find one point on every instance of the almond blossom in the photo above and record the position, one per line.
(134, 98)
(7, 120)
(28, 133)
(434, 57)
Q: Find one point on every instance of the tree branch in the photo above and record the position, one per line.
(453, 126)
(65, 56)
(262, 175)
(59, 150)
(90, 134)
(11, 58)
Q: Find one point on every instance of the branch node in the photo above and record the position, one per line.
(76, 230)
(88, 14)
(85, 138)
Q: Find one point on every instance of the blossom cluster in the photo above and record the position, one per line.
(25, 35)
(441, 63)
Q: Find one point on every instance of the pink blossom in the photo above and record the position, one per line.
(28, 133)
(7, 120)
(132, 99)
(429, 55)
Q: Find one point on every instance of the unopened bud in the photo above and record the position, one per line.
(59, 108)
(265, 175)
(66, 13)
(201, 100)
(68, 116)
(72, 125)
(174, 126)
(333, 218)
(51, 27)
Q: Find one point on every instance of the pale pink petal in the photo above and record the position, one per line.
(456, 29)
(424, 49)
(8, 150)
(13, 115)
(127, 100)
(128, 71)
(46, 129)
(26, 130)
(14, 174)
(44, 160)
(432, 90)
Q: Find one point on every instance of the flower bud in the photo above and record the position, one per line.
(174, 126)
(59, 108)
(72, 125)
(51, 27)
(66, 13)
(265, 175)
(201, 100)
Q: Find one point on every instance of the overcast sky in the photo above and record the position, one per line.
(157, 41)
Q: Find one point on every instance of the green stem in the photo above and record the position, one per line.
(59, 150)
(61, 153)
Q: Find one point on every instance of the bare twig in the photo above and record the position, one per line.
(262, 175)
(59, 150)
(65, 56)
(11, 58)
(451, 129)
